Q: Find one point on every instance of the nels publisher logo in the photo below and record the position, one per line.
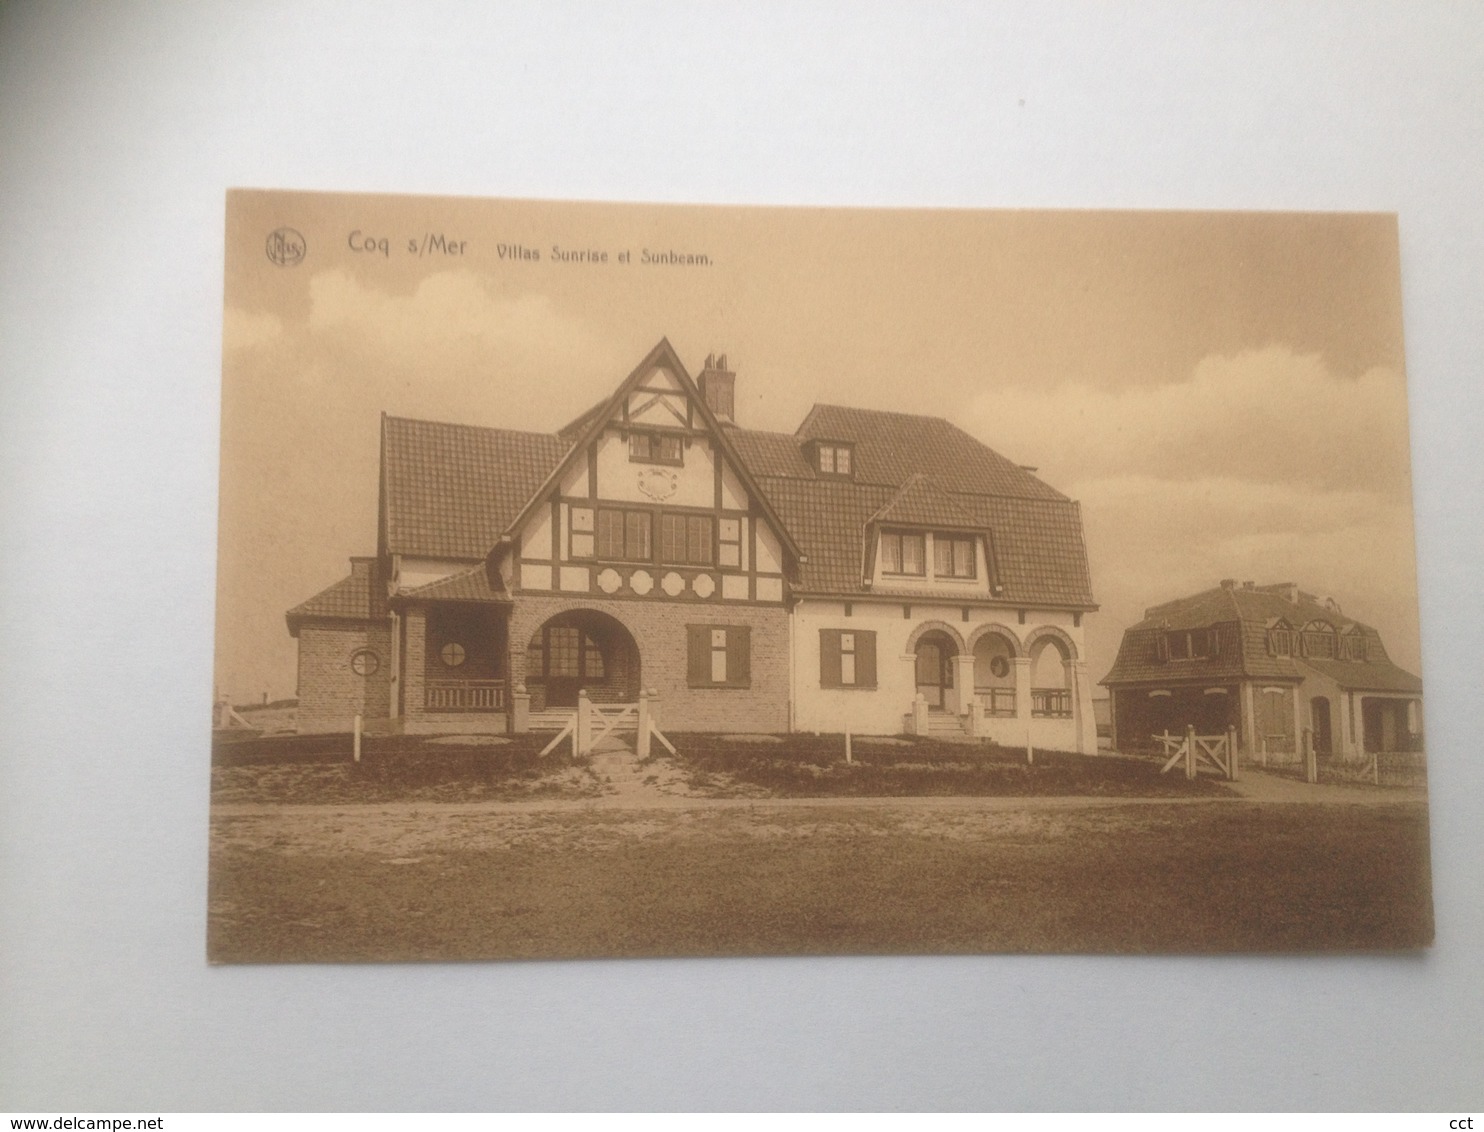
(286, 247)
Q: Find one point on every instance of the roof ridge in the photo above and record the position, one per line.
(475, 427)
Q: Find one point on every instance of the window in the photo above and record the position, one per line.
(685, 540)
(625, 535)
(847, 659)
(654, 448)
(1280, 642)
(834, 460)
(564, 651)
(452, 654)
(1189, 644)
(953, 556)
(1352, 647)
(902, 553)
(1319, 640)
(718, 656)
(364, 662)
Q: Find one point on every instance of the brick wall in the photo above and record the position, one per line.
(330, 693)
(659, 630)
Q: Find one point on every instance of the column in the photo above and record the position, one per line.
(1022, 687)
(1083, 717)
(963, 679)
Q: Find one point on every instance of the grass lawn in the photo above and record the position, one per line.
(306, 885)
(811, 766)
(398, 769)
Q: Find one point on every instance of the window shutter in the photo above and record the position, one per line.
(829, 658)
(865, 659)
(698, 654)
(739, 655)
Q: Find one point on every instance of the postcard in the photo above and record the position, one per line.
(613, 580)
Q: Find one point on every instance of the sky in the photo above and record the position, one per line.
(1224, 393)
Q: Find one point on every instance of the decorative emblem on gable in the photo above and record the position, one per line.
(658, 483)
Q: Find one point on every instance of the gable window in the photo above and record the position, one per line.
(953, 556)
(686, 540)
(847, 659)
(625, 535)
(1319, 640)
(902, 553)
(718, 656)
(1280, 641)
(654, 448)
(834, 460)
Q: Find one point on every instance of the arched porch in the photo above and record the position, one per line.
(581, 649)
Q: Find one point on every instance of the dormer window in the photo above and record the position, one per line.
(834, 460)
(1188, 644)
(1352, 646)
(654, 448)
(1280, 641)
(903, 553)
(1319, 640)
(953, 556)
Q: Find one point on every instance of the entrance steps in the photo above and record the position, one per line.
(942, 725)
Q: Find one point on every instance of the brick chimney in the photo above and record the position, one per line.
(718, 387)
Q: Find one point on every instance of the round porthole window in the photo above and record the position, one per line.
(452, 654)
(364, 662)
(999, 666)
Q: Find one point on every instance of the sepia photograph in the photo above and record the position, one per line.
(615, 580)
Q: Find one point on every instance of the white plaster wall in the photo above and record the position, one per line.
(880, 712)
(768, 551)
(618, 479)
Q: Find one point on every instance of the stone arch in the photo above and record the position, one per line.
(940, 626)
(982, 631)
(1036, 635)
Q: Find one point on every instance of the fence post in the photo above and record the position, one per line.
(1264, 752)
(1231, 753)
(641, 743)
(1030, 754)
(1376, 768)
(1311, 761)
(582, 733)
(356, 745)
(1190, 750)
(847, 744)
(919, 715)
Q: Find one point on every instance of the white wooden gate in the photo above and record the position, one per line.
(1220, 751)
(591, 723)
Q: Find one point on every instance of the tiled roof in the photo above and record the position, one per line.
(890, 447)
(1039, 552)
(1245, 615)
(360, 596)
(472, 584)
(451, 490)
(771, 453)
(920, 502)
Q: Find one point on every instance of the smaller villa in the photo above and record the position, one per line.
(1271, 661)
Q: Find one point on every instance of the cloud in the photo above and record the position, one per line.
(1268, 416)
(452, 319)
